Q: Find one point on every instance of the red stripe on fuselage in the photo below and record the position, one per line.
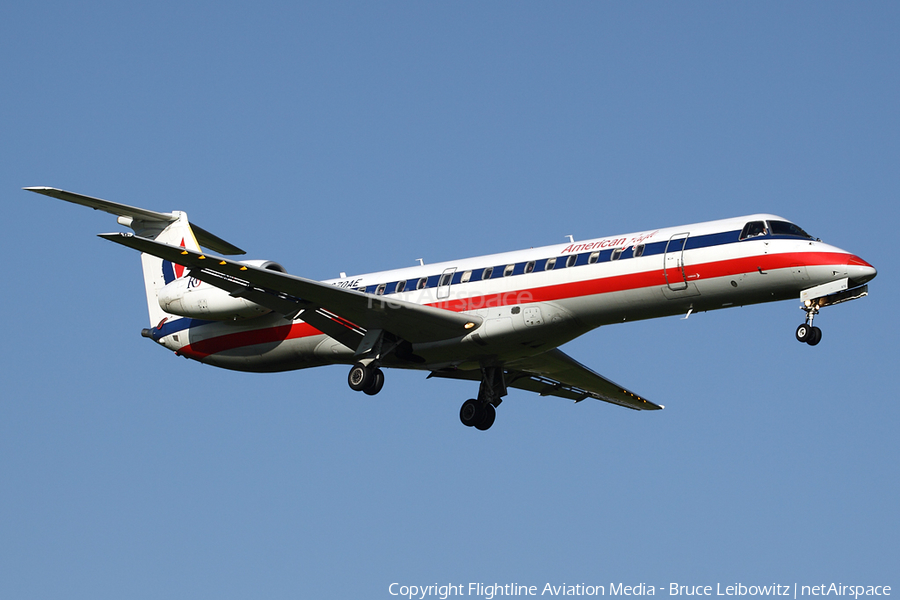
(634, 281)
(230, 341)
(575, 289)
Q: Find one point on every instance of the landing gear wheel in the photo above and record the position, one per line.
(471, 412)
(376, 384)
(477, 414)
(814, 337)
(803, 333)
(489, 415)
(360, 377)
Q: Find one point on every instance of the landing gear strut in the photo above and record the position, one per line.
(481, 413)
(365, 376)
(806, 333)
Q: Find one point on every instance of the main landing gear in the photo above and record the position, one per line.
(481, 412)
(477, 414)
(367, 378)
(806, 333)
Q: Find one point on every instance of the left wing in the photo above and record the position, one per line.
(289, 295)
(555, 373)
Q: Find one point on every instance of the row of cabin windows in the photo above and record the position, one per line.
(510, 269)
(751, 230)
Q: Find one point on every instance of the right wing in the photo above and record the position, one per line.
(555, 373)
(289, 295)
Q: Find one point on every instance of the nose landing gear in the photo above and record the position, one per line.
(806, 333)
(820, 296)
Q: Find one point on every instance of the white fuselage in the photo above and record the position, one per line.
(534, 300)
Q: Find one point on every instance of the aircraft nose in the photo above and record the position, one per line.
(860, 271)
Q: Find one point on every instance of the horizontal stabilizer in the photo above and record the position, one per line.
(204, 238)
(113, 208)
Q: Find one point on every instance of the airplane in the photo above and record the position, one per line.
(497, 320)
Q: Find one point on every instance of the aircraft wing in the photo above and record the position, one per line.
(289, 295)
(555, 373)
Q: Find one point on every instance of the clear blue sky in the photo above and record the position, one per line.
(359, 136)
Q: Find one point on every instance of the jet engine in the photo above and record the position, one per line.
(190, 297)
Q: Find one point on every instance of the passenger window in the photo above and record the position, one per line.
(617, 253)
(401, 285)
(466, 277)
(380, 289)
(551, 262)
(593, 257)
(570, 262)
(639, 250)
(445, 279)
(487, 273)
(753, 229)
(529, 266)
(422, 283)
(509, 270)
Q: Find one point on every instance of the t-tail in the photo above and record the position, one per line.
(170, 228)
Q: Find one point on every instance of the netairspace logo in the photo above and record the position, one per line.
(490, 591)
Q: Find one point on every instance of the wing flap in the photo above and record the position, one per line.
(412, 322)
(554, 373)
(558, 374)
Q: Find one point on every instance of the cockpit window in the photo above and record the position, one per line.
(753, 229)
(785, 228)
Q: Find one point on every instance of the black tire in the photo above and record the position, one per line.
(360, 377)
(803, 333)
(377, 383)
(471, 412)
(815, 336)
(490, 413)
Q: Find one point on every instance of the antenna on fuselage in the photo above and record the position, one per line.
(571, 239)
(421, 262)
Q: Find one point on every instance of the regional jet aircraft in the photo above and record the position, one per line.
(497, 320)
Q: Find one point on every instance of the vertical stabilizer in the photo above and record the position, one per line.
(157, 272)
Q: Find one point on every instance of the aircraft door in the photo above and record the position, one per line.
(673, 262)
(443, 289)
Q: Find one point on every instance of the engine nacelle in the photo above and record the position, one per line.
(190, 297)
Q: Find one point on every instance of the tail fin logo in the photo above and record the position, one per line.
(171, 271)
